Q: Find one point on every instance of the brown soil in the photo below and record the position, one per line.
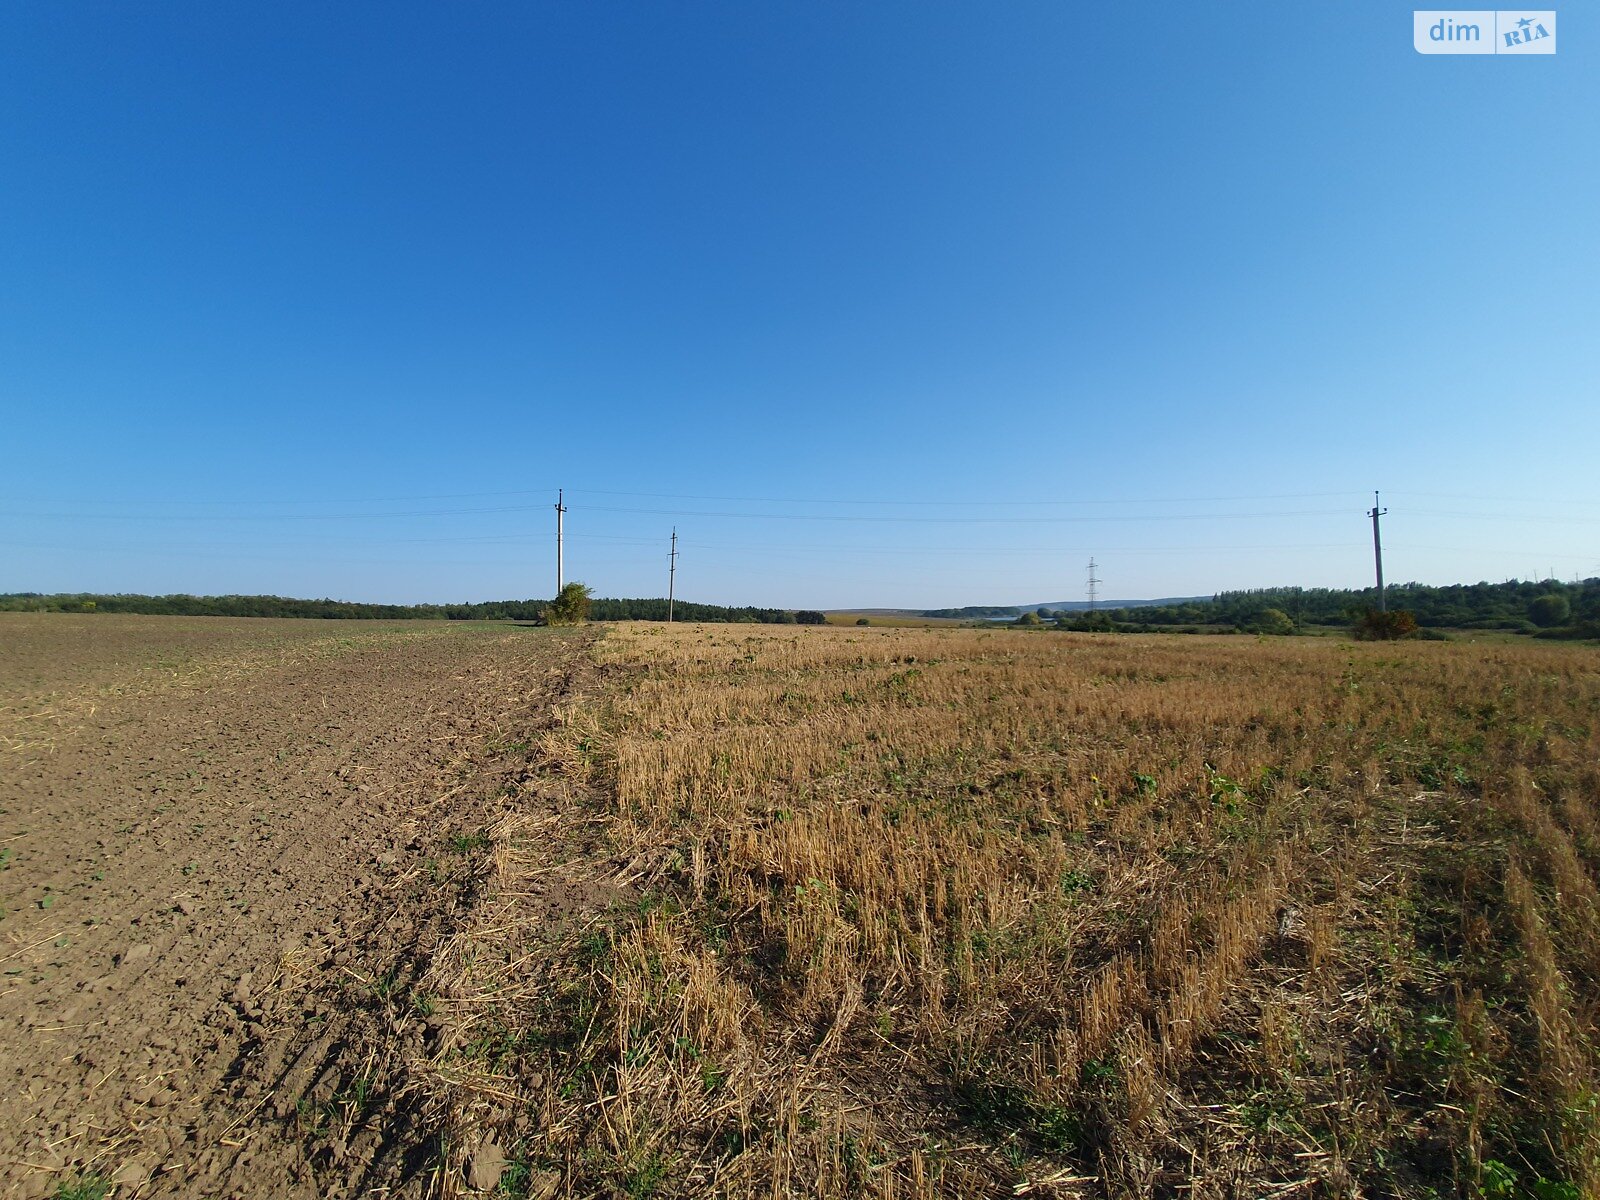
(230, 849)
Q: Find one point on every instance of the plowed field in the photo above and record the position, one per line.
(230, 849)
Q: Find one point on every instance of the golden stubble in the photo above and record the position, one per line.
(951, 912)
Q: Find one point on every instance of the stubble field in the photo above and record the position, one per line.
(722, 910)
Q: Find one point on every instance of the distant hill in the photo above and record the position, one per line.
(1083, 605)
(983, 611)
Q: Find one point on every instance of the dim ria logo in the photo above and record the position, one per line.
(1484, 31)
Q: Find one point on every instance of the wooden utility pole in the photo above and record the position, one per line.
(561, 511)
(672, 572)
(1377, 549)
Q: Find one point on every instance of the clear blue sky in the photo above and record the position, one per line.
(880, 304)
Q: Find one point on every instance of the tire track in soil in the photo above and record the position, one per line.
(218, 903)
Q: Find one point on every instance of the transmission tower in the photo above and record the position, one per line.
(1094, 582)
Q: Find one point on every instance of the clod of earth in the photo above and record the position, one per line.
(488, 1165)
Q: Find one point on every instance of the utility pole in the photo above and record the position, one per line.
(1377, 549)
(561, 511)
(672, 572)
(1094, 582)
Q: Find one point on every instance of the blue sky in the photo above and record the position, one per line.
(879, 304)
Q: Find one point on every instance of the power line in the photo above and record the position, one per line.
(1490, 550)
(1241, 516)
(830, 500)
(315, 499)
(743, 548)
(333, 540)
(885, 518)
(1377, 548)
(1549, 519)
(1546, 500)
(758, 516)
(1037, 551)
(125, 516)
(964, 503)
(1036, 502)
(672, 572)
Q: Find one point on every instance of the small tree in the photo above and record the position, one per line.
(1029, 618)
(1087, 622)
(1549, 610)
(862, 621)
(1375, 626)
(808, 616)
(1274, 621)
(570, 607)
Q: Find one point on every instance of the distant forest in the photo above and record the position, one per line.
(1550, 606)
(492, 610)
(1525, 606)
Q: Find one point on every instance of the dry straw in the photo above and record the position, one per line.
(903, 913)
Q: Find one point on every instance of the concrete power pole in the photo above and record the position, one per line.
(672, 573)
(1094, 582)
(1377, 549)
(561, 511)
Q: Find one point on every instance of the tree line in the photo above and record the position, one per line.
(1523, 605)
(1547, 608)
(491, 610)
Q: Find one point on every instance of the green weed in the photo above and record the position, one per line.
(85, 1186)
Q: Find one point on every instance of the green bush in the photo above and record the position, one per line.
(570, 607)
(1549, 610)
(1272, 620)
(1375, 626)
(1581, 631)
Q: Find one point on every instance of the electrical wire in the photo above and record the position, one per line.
(1247, 516)
(757, 516)
(828, 500)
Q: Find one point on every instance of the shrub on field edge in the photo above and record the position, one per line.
(1375, 626)
(570, 607)
(1579, 631)
(1272, 620)
(1549, 610)
(1095, 622)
